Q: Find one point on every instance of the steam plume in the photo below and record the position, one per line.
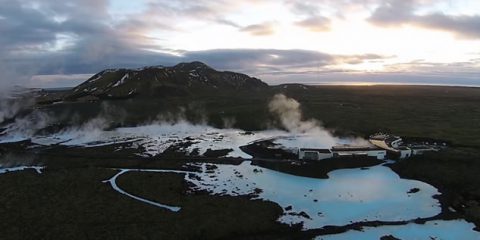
(10, 106)
(290, 115)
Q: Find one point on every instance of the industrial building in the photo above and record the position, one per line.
(370, 151)
(395, 146)
(382, 146)
(341, 151)
(314, 154)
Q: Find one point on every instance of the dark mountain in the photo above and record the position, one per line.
(181, 79)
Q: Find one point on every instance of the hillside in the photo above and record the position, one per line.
(158, 81)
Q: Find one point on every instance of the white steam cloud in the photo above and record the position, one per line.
(7, 111)
(10, 106)
(315, 135)
(290, 115)
(170, 129)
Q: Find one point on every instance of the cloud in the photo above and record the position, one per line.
(393, 13)
(228, 23)
(463, 26)
(466, 69)
(57, 80)
(358, 59)
(351, 77)
(315, 24)
(244, 58)
(303, 7)
(262, 29)
(310, 14)
(79, 37)
(274, 61)
(53, 40)
(68, 37)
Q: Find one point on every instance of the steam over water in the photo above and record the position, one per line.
(158, 136)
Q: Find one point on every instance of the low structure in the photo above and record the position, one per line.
(314, 154)
(421, 149)
(370, 151)
(395, 146)
(382, 146)
(404, 152)
(387, 142)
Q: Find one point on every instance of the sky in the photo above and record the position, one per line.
(47, 43)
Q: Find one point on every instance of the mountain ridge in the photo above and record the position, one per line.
(183, 78)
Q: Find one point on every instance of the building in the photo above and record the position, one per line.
(382, 146)
(314, 154)
(387, 142)
(396, 147)
(368, 151)
(421, 149)
(404, 152)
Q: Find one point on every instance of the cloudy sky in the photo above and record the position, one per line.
(46, 43)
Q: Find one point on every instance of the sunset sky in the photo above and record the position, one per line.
(49, 43)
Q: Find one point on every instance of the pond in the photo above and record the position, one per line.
(347, 196)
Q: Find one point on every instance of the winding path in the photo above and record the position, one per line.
(113, 183)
